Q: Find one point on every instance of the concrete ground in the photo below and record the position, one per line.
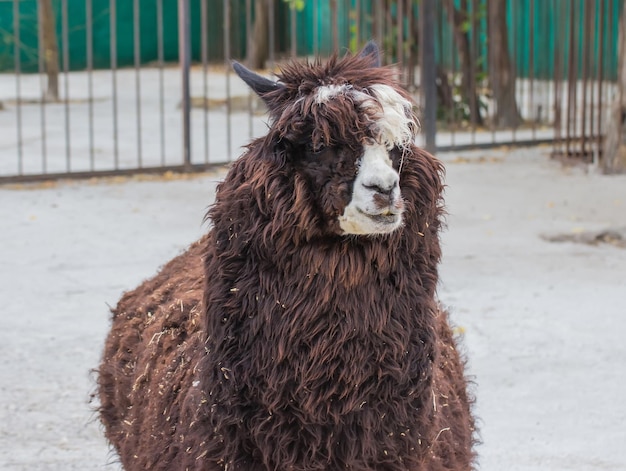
(544, 321)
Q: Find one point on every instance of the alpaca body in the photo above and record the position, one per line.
(281, 342)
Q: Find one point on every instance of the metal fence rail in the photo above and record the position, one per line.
(136, 111)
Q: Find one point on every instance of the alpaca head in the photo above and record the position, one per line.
(345, 128)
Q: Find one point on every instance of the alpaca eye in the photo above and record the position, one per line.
(396, 157)
(312, 149)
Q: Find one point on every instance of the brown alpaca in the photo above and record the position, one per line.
(302, 332)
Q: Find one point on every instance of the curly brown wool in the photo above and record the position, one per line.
(278, 343)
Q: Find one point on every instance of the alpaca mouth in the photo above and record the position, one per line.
(384, 217)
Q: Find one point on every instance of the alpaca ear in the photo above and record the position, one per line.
(371, 50)
(261, 85)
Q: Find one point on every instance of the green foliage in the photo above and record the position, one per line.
(28, 54)
(459, 113)
(458, 110)
(6, 49)
(479, 14)
(295, 4)
(353, 30)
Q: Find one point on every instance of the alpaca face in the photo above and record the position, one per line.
(376, 205)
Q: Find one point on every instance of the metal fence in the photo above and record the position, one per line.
(139, 111)
(564, 58)
(117, 120)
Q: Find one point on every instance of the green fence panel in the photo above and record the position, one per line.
(28, 34)
(124, 28)
(346, 25)
(547, 18)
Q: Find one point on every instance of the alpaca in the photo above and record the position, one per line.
(302, 332)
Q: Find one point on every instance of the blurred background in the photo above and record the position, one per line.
(117, 86)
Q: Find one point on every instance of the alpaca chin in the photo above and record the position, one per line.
(356, 222)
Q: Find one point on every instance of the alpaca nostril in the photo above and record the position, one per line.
(380, 188)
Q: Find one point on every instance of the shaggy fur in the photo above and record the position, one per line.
(278, 343)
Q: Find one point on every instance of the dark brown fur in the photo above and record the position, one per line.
(275, 343)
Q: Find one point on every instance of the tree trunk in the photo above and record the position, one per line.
(50, 49)
(445, 96)
(614, 151)
(334, 24)
(458, 18)
(412, 50)
(258, 49)
(502, 75)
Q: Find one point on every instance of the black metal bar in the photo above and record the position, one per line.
(293, 37)
(484, 67)
(609, 52)
(357, 22)
(316, 32)
(491, 108)
(613, 52)
(400, 34)
(80, 175)
(571, 79)
(270, 33)
(451, 50)
(184, 58)
(227, 55)
(442, 47)
(89, 47)
(546, 28)
(334, 25)
(66, 71)
(531, 68)
(429, 75)
(248, 41)
(18, 84)
(379, 23)
(496, 144)
(410, 63)
(388, 29)
(474, 70)
(204, 52)
(42, 82)
(137, 64)
(113, 52)
(235, 39)
(593, 76)
(514, 71)
(161, 62)
(440, 40)
(346, 31)
(586, 38)
(600, 74)
(559, 14)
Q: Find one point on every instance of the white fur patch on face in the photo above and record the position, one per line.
(396, 125)
(376, 206)
(327, 92)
